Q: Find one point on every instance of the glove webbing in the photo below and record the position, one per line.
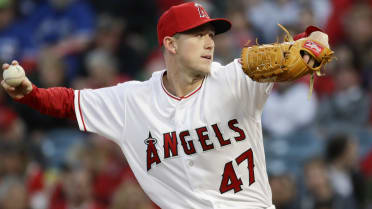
(288, 37)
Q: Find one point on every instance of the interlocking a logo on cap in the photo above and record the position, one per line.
(201, 10)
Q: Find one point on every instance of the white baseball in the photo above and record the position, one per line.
(14, 75)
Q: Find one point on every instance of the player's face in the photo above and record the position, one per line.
(195, 49)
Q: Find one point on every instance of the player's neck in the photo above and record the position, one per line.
(180, 84)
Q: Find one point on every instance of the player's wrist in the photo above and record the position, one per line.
(29, 92)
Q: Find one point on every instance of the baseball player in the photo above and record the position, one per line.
(191, 133)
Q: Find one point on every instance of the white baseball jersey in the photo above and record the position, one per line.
(203, 150)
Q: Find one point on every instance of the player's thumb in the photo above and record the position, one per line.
(26, 86)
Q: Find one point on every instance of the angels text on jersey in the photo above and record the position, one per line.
(229, 179)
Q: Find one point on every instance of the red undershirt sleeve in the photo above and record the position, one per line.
(307, 32)
(57, 101)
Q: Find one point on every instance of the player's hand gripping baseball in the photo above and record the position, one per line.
(19, 91)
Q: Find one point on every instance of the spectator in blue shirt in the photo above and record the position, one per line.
(66, 27)
(14, 42)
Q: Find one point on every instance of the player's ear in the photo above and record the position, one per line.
(170, 44)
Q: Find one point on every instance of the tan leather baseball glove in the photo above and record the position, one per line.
(279, 62)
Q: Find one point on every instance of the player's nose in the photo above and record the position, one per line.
(209, 42)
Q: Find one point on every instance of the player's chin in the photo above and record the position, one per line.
(205, 69)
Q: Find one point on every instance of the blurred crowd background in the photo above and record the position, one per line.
(318, 150)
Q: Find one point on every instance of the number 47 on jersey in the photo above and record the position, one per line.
(230, 180)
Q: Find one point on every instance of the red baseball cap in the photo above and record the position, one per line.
(187, 16)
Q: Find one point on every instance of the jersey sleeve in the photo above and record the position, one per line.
(101, 111)
(251, 94)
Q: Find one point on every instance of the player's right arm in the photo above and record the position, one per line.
(100, 111)
(57, 101)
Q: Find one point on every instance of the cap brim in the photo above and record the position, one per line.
(220, 25)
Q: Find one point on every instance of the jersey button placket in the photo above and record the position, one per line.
(190, 163)
(180, 123)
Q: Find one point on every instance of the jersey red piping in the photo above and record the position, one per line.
(183, 97)
(81, 114)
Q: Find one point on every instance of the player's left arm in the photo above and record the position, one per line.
(315, 33)
(306, 53)
(246, 88)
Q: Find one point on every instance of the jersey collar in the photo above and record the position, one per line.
(176, 97)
